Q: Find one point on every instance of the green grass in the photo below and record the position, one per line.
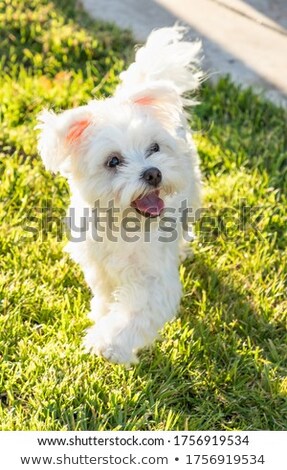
(222, 363)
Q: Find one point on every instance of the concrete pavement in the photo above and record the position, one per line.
(246, 39)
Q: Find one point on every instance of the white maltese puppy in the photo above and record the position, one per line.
(132, 167)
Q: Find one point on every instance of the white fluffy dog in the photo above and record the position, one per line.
(131, 154)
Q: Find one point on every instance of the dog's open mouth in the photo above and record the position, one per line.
(150, 205)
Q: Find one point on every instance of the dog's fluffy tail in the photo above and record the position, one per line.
(166, 57)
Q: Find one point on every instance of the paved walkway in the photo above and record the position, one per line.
(246, 39)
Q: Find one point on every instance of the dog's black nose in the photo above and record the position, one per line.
(152, 176)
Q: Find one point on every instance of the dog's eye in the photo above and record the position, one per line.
(113, 161)
(153, 148)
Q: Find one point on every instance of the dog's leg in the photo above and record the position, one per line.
(185, 240)
(134, 319)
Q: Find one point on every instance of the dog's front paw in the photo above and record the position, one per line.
(114, 353)
(95, 343)
(186, 252)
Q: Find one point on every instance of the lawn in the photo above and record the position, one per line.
(222, 363)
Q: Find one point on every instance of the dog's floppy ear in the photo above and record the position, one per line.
(157, 95)
(61, 135)
(161, 99)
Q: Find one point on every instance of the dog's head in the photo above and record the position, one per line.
(130, 150)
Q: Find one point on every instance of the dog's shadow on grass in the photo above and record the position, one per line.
(228, 357)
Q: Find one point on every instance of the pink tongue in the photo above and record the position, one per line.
(150, 204)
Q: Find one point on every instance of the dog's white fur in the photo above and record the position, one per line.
(135, 285)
